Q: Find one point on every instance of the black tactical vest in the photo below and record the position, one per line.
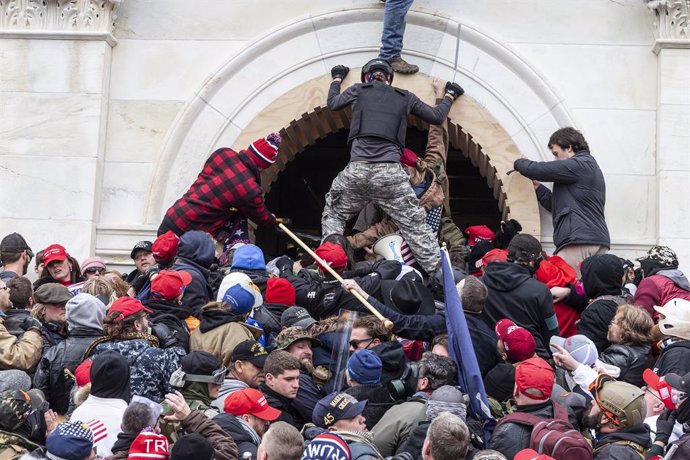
(380, 111)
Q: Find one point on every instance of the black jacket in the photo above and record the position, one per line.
(605, 448)
(307, 396)
(232, 426)
(323, 298)
(602, 280)
(516, 295)
(674, 358)
(378, 400)
(288, 413)
(50, 375)
(631, 359)
(577, 201)
(199, 292)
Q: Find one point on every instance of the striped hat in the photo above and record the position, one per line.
(265, 150)
(149, 446)
(327, 446)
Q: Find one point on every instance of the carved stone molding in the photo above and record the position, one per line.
(59, 19)
(671, 23)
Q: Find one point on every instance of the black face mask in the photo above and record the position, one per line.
(684, 412)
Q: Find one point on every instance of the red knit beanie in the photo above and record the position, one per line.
(280, 290)
(83, 373)
(408, 158)
(265, 150)
(333, 255)
(149, 446)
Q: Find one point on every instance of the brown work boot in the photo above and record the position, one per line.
(401, 66)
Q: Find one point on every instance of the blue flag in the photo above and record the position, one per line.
(462, 351)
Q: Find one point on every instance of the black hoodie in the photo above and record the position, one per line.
(602, 278)
(393, 359)
(516, 295)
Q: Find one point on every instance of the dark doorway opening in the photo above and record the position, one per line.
(300, 189)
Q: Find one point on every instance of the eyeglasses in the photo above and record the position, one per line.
(94, 270)
(354, 343)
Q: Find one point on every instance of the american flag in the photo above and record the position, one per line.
(100, 432)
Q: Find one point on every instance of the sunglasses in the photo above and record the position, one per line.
(355, 343)
(94, 270)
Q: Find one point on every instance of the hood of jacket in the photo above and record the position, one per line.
(236, 429)
(198, 247)
(392, 357)
(110, 376)
(638, 434)
(124, 442)
(211, 318)
(85, 311)
(602, 275)
(505, 276)
(677, 277)
(169, 307)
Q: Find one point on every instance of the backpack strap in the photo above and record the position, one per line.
(624, 442)
(560, 412)
(521, 418)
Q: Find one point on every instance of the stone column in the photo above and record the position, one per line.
(672, 47)
(54, 90)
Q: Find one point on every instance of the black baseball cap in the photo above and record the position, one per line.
(334, 407)
(141, 246)
(250, 350)
(15, 243)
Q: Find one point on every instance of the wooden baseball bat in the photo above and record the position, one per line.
(388, 323)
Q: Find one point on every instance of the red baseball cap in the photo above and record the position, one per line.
(165, 247)
(83, 373)
(531, 454)
(333, 255)
(250, 401)
(534, 378)
(54, 252)
(477, 233)
(126, 306)
(517, 341)
(661, 386)
(280, 291)
(408, 158)
(495, 255)
(169, 284)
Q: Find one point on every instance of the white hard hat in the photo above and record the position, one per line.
(676, 321)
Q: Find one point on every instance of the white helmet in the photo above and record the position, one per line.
(676, 321)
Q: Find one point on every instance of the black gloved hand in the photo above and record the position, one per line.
(284, 263)
(340, 71)
(166, 338)
(30, 323)
(664, 425)
(454, 90)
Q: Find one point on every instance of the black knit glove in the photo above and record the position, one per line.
(454, 90)
(31, 323)
(340, 71)
(664, 425)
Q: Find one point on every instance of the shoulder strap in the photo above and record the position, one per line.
(521, 418)
(624, 442)
(560, 412)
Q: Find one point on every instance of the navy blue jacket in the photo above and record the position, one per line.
(577, 200)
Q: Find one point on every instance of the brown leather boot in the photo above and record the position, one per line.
(401, 66)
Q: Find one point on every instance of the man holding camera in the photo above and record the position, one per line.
(377, 137)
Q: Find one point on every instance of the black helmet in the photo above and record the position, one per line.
(378, 64)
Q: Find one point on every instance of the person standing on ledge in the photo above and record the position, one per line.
(578, 197)
(374, 173)
(392, 35)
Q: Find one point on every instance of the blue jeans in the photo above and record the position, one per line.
(393, 28)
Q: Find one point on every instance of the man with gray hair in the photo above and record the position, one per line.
(448, 438)
(281, 441)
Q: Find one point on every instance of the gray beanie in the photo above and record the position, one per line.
(446, 399)
(85, 310)
(14, 379)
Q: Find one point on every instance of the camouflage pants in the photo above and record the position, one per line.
(387, 185)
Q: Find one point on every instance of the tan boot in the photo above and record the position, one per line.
(401, 66)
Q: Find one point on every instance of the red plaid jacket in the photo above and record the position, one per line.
(229, 179)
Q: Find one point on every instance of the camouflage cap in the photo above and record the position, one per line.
(291, 335)
(661, 254)
(17, 405)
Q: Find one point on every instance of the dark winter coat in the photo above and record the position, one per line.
(510, 438)
(50, 375)
(577, 201)
(516, 295)
(288, 413)
(378, 400)
(605, 448)
(661, 287)
(602, 279)
(632, 360)
(323, 298)
(195, 255)
(308, 395)
(14, 317)
(244, 440)
(674, 358)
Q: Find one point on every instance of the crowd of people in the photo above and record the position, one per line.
(212, 348)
